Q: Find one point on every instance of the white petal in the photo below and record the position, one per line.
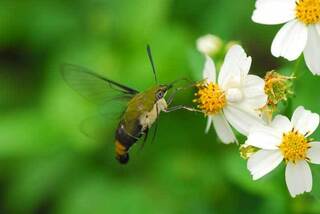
(253, 90)
(264, 137)
(263, 162)
(209, 70)
(298, 178)
(281, 123)
(223, 129)
(234, 95)
(242, 118)
(314, 152)
(235, 67)
(312, 50)
(209, 122)
(305, 121)
(290, 41)
(318, 28)
(274, 11)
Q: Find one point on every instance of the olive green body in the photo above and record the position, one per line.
(141, 112)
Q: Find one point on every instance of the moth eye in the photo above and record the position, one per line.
(159, 95)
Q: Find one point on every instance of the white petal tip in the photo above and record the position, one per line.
(293, 195)
(254, 18)
(229, 142)
(254, 177)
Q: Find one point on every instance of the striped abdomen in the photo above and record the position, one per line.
(124, 141)
(127, 136)
(122, 154)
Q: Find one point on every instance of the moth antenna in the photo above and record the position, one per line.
(152, 63)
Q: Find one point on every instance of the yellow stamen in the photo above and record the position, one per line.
(308, 11)
(210, 98)
(294, 146)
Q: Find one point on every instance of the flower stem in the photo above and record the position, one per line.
(296, 67)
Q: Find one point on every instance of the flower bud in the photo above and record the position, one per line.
(209, 44)
(278, 89)
(246, 151)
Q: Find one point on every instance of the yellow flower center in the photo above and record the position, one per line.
(210, 98)
(308, 11)
(294, 146)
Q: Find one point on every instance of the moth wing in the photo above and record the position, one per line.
(95, 87)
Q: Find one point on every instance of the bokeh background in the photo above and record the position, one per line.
(48, 166)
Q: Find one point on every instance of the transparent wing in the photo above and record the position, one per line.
(94, 87)
(100, 124)
(97, 128)
(99, 90)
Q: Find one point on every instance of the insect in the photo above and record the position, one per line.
(142, 108)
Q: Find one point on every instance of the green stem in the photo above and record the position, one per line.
(296, 67)
(294, 76)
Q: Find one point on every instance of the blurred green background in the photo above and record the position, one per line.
(48, 166)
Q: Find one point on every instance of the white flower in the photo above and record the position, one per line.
(209, 44)
(286, 140)
(234, 98)
(301, 33)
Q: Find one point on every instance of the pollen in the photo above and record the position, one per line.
(294, 146)
(210, 98)
(308, 11)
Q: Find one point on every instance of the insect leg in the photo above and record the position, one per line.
(156, 125)
(173, 94)
(170, 99)
(175, 108)
(146, 134)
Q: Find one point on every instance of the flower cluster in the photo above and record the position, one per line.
(233, 97)
(286, 140)
(236, 100)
